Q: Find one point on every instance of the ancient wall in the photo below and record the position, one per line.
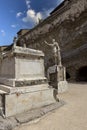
(69, 27)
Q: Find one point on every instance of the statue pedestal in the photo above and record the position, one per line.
(23, 83)
(57, 78)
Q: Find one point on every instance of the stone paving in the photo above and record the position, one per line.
(72, 116)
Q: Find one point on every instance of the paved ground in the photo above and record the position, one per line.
(72, 116)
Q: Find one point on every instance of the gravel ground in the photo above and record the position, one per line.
(72, 116)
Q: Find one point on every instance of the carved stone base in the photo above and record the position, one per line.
(22, 82)
(21, 99)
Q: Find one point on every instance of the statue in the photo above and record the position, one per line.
(56, 51)
(14, 41)
(57, 74)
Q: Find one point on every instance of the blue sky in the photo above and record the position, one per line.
(22, 14)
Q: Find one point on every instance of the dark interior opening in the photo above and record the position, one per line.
(67, 75)
(82, 74)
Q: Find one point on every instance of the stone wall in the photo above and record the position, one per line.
(69, 27)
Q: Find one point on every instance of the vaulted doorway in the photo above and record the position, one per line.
(82, 74)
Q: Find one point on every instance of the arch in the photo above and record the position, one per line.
(82, 74)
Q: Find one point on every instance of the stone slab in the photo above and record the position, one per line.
(27, 101)
(27, 51)
(29, 116)
(27, 68)
(24, 89)
(38, 113)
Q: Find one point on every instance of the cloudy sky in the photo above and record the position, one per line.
(22, 14)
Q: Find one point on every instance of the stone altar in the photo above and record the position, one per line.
(22, 65)
(23, 85)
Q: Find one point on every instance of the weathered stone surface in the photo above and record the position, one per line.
(68, 25)
(7, 68)
(5, 88)
(62, 86)
(22, 65)
(57, 78)
(28, 88)
(29, 116)
(20, 101)
(30, 82)
(12, 122)
(27, 51)
(8, 124)
(25, 89)
(0, 100)
(37, 113)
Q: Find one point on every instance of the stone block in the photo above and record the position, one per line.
(21, 65)
(21, 102)
(62, 86)
(25, 85)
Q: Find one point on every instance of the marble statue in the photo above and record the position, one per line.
(56, 51)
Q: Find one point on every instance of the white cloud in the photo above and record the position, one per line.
(13, 25)
(3, 32)
(19, 14)
(47, 12)
(32, 16)
(28, 3)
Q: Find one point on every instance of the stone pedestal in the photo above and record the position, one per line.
(22, 66)
(57, 78)
(23, 83)
(27, 98)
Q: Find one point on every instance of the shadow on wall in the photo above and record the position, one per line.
(82, 74)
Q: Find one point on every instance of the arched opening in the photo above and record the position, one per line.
(82, 74)
(67, 75)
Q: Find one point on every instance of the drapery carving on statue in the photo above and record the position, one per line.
(56, 51)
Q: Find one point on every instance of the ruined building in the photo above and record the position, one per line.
(67, 24)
